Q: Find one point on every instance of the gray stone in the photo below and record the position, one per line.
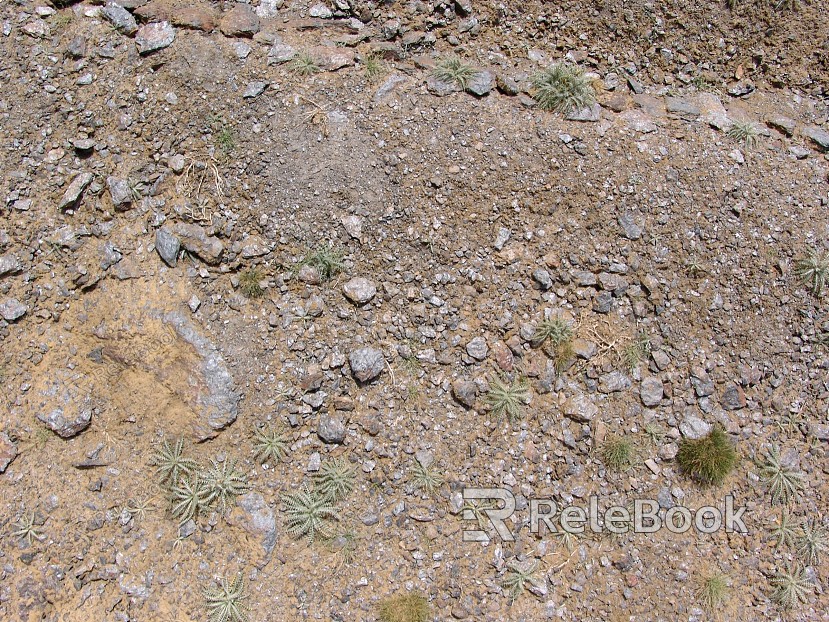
(8, 452)
(502, 238)
(588, 113)
(543, 278)
(75, 190)
(253, 514)
(817, 135)
(254, 89)
(68, 420)
(701, 381)
(782, 124)
(603, 302)
(638, 121)
(333, 58)
(425, 458)
(463, 7)
(359, 290)
(668, 451)
(631, 229)
(121, 19)
(314, 462)
(154, 36)
(465, 391)
(253, 246)
(391, 83)
(580, 407)
(733, 397)
(9, 264)
(635, 85)
(800, 153)
(320, 11)
(681, 107)
(77, 47)
(820, 431)
(168, 246)
(269, 8)
(366, 363)
(477, 348)
(12, 309)
(109, 255)
(584, 349)
(439, 87)
(280, 53)
(507, 85)
(693, 427)
(84, 146)
(661, 359)
(651, 391)
(331, 429)
(613, 382)
(195, 240)
(177, 164)
(119, 191)
(481, 83)
(583, 278)
(665, 499)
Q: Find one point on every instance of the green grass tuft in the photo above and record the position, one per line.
(304, 64)
(563, 88)
(404, 608)
(708, 459)
(713, 592)
(424, 478)
(327, 260)
(453, 70)
(618, 453)
(250, 283)
(373, 66)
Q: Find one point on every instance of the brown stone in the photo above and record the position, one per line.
(240, 21)
(195, 17)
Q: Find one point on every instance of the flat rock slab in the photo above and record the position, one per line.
(73, 193)
(481, 83)
(197, 17)
(167, 245)
(818, 136)
(154, 36)
(256, 518)
(439, 87)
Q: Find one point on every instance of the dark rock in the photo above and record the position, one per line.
(733, 397)
(167, 245)
(121, 19)
(465, 391)
(817, 135)
(77, 47)
(331, 429)
(481, 83)
(366, 363)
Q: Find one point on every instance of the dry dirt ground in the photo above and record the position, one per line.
(669, 246)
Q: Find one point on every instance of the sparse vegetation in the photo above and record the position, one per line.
(745, 132)
(327, 261)
(404, 608)
(563, 88)
(556, 330)
(636, 351)
(189, 497)
(270, 444)
(507, 399)
(618, 453)
(713, 591)
(223, 483)
(517, 577)
(708, 459)
(784, 532)
(425, 478)
(784, 481)
(303, 64)
(170, 462)
(225, 139)
(335, 479)
(812, 540)
(250, 283)
(307, 513)
(27, 529)
(812, 270)
(453, 70)
(226, 602)
(373, 66)
(791, 587)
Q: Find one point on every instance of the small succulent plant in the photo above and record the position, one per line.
(304, 64)
(189, 498)
(307, 513)
(563, 88)
(783, 532)
(784, 481)
(170, 462)
(745, 132)
(813, 270)
(453, 70)
(426, 478)
(270, 444)
(327, 260)
(556, 330)
(28, 529)
(812, 540)
(335, 479)
(223, 483)
(791, 587)
(507, 399)
(517, 577)
(226, 602)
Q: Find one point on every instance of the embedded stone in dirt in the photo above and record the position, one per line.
(240, 21)
(121, 19)
(465, 391)
(359, 290)
(651, 391)
(154, 36)
(64, 406)
(195, 239)
(8, 452)
(73, 193)
(580, 408)
(366, 363)
(254, 516)
(12, 309)
(331, 429)
(167, 245)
